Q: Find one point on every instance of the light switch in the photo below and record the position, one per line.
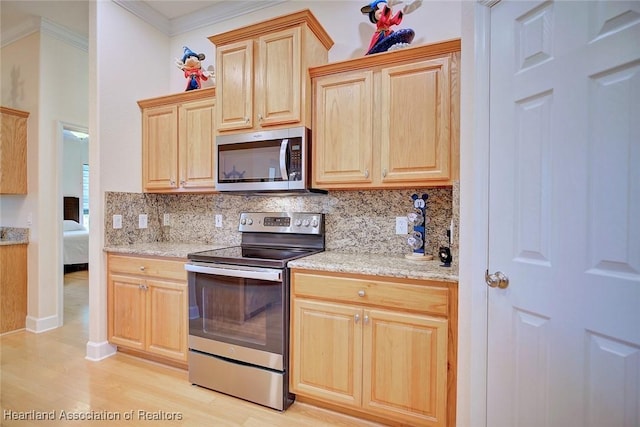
(219, 221)
(142, 221)
(166, 220)
(402, 225)
(117, 221)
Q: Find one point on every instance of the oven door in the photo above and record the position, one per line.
(238, 312)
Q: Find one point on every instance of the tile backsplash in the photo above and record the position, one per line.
(356, 221)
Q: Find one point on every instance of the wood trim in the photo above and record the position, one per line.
(452, 356)
(455, 117)
(150, 357)
(14, 112)
(388, 58)
(177, 98)
(275, 24)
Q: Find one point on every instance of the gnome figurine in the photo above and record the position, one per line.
(191, 64)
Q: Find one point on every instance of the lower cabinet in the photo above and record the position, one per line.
(13, 287)
(147, 306)
(376, 347)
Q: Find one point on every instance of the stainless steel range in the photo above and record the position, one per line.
(239, 307)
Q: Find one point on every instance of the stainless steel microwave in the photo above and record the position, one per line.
(274, 161)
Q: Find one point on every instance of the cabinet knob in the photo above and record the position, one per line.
(357, 318)
(361, 293)
(366, 320)
(182, 183)
(366, 173)
(259, 117)
(384, 172)
(246, 119)
(142, 268)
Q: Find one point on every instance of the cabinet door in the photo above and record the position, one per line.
(343, 130)
(160, 148)
(126, 310)
(13, 154)
(234, 79)
(197, 145)
(327, 351)
(415, 122)
(166, 333)
(405, 367)
(278, 78)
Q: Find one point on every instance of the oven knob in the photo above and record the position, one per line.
(314, 223)
(298, 223)
(305, 222)
(243, 221)
(249, 221)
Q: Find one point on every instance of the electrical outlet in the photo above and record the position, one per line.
(166, 220)
(117, 221)
(402, 225)
(142, 221)
(218, 221)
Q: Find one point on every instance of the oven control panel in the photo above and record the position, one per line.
(282, 222)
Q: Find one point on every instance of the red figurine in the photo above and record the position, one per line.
(384, 37)
(192, 67)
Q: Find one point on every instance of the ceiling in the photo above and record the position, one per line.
(170, 17)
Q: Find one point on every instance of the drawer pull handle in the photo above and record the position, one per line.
(361, 293)
(142, 268)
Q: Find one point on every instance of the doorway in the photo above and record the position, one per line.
(74, 196)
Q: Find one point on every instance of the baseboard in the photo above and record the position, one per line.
(97, 351)
(42, 324)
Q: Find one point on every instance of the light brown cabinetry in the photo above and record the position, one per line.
(389, 120)
(178, 147)
(147, 306)
(380, 348)
(262, 78)
(13, 287)
(13, 151)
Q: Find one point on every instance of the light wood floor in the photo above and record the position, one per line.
(46, 372)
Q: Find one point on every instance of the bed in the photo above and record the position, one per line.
(76, 237)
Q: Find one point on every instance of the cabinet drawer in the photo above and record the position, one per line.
(389, 293)
(148, 267)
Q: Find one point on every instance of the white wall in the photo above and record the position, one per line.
(75, 154)
(131, 65)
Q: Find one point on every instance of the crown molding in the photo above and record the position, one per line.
(64, 34)
(220, 11)
(45, 26)
(148, 14)
(24, 29)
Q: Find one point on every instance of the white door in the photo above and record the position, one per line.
(564, 220)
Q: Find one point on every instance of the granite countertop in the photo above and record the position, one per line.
(162, 249)
(13, 236)
(376, 264)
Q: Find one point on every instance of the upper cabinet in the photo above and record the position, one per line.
(13, 151)
(178, 149)
(389, 120)
(261, 72)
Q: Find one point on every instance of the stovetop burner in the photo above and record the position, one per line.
(252, 256)
(270, 239)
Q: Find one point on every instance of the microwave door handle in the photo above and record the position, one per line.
(283, 159)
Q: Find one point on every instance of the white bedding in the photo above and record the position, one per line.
(76, 244)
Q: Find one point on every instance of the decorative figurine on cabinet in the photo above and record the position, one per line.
(385, 38)
(191, 64)
(418, 237)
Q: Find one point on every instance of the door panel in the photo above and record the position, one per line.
(564, 198)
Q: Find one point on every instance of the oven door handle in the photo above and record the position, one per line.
(244, 273)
